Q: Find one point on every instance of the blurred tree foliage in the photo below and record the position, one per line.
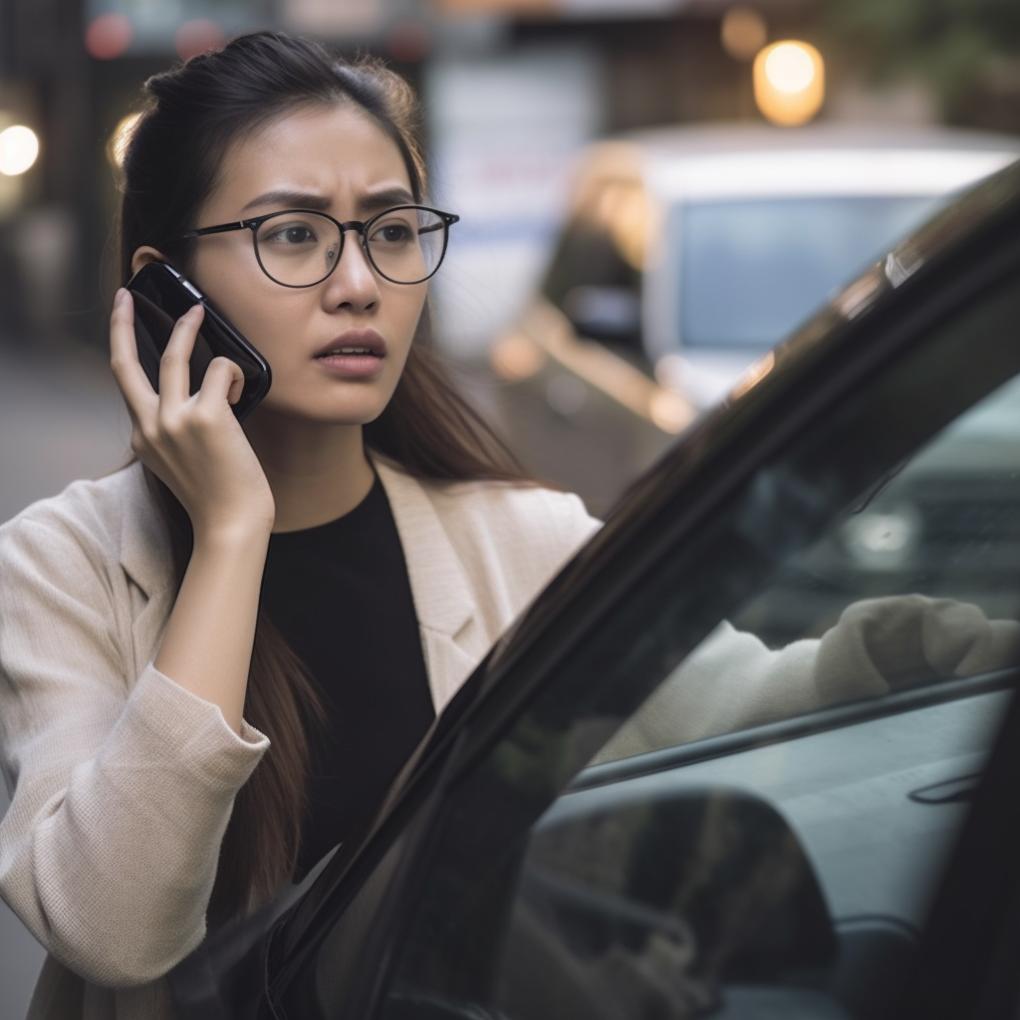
(966, 51)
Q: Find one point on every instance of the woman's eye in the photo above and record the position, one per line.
(392, 233)
(294, 234)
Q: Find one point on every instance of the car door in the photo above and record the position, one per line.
(636, 807)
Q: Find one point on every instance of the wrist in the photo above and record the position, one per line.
(233, 535)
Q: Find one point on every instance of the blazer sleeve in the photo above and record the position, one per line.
(121, 786)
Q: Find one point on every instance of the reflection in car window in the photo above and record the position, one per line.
(779, 870)
(945, 524)
(754, 269)
(914, 583)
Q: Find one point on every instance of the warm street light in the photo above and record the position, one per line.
(789, 82)
(19, 149)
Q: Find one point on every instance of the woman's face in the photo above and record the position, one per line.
(346, 166)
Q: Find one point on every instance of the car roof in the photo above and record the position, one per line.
(750, 160)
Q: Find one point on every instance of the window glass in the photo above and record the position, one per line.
(943, 524)
(763, 835)
(914, 583)
(752, 270)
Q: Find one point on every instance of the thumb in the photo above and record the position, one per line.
(236, 386)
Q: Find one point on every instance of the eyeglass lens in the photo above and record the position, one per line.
(298, 249)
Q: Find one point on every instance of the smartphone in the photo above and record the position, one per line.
(161, 295)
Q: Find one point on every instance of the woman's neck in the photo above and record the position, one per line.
(317, 472)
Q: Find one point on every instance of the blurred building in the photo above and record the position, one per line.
(512, 88)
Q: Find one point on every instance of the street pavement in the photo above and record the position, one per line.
(61, 418)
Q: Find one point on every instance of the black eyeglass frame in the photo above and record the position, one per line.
(361, 226)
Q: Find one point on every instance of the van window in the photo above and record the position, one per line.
(752, 270)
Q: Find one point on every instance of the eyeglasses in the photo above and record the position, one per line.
(300, 248)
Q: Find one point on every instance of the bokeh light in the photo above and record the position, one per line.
(19, 149)
(789, 67)
(198, 36)
(743, 32)
(789, 82)
(108, 36)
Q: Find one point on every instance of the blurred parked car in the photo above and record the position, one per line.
(846, 856)
(687, 254)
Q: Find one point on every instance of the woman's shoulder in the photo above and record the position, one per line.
(509, 498)
(513, 513)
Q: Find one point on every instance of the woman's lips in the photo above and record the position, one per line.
(355, 338)
(351, 366)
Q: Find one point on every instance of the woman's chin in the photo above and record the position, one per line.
(352, 413)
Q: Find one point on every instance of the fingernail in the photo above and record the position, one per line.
(118, 298)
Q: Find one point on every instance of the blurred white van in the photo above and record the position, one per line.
(686, 254)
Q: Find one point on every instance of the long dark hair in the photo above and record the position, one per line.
(192, 115)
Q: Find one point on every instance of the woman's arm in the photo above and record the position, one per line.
(208, 640)
(122, 786)
(195, 445)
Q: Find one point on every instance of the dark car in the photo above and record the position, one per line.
(611, 820)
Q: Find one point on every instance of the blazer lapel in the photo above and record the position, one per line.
(439, 587)
(145, 557)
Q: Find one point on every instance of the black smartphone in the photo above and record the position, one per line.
(161, 295)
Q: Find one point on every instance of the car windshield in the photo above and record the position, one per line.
(753, 269)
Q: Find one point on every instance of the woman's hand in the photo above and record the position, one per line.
(192, 442)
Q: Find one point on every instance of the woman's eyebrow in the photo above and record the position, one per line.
(385, 198)
(307, 200)
(286, 197)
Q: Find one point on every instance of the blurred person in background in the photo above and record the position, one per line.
(214, 661)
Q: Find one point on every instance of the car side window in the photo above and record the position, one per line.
(943, 524)
(913, 584)
(770, 840)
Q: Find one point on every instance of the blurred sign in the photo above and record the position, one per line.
(334, 17)
(563, 8)
(115, 27)
(504, 130)
(616, 9)
(455, 7)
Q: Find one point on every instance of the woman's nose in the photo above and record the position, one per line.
(353, 281)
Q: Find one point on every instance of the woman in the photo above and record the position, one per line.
(166, 727)
(214, 661)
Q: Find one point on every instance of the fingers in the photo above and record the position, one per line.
(223, 380)
(138, 393)
(174, 371)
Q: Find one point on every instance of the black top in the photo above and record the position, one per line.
(340, 595)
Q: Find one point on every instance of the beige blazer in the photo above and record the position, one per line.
(121, 781)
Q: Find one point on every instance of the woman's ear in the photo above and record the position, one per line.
(144, 255)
